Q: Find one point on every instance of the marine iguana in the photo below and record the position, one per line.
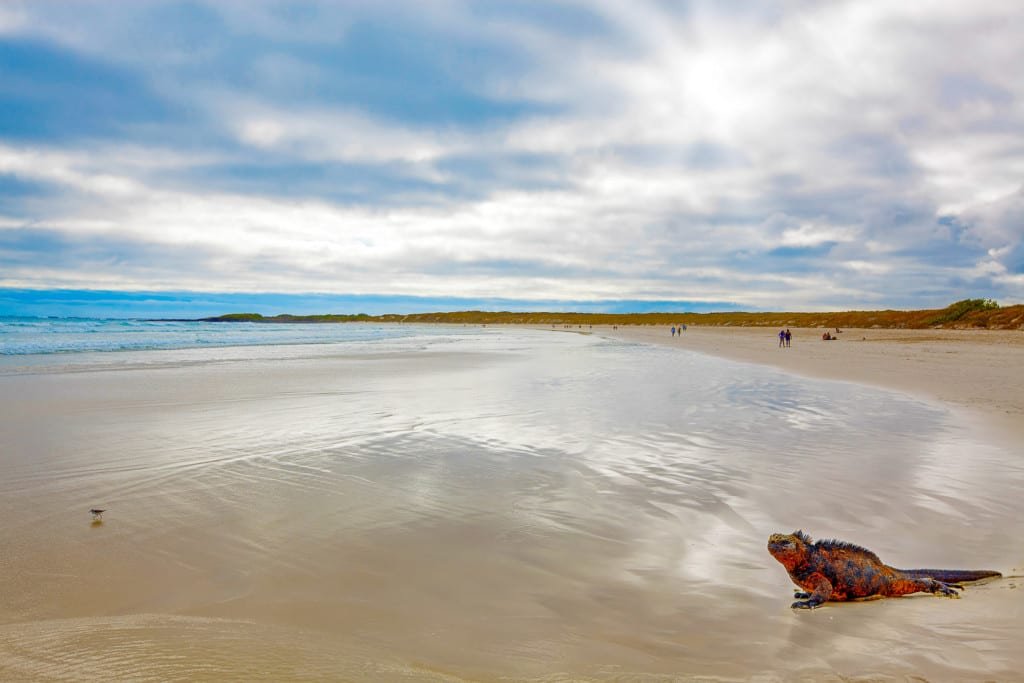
(835, 570)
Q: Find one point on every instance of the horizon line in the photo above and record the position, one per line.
(194, 305)
(128, 304)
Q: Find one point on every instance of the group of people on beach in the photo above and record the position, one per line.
(680, 329)
(785, 336)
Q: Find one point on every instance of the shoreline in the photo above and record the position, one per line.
(977, 372)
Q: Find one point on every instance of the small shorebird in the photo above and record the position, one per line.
(97, 514)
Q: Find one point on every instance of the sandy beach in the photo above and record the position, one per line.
(978, 371)
(467, 503)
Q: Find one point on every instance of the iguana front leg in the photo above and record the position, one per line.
(821, 590)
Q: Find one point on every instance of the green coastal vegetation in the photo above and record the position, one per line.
(965, 314)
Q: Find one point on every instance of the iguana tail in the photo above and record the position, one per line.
(952, 575)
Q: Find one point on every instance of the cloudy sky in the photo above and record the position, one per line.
(790, 155)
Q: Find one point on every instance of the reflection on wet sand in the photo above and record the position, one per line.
(532, 505)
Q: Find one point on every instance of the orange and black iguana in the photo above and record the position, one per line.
(834, 570)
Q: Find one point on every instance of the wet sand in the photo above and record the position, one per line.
(980, 371)
(519, 506)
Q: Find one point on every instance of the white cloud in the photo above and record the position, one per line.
(12, 20)
(867, 267)
(999, 224)
(811, 235)
(336, 135)
(689, 146)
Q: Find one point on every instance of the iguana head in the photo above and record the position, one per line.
(789, 549)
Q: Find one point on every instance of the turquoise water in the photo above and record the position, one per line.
(40, 345)
(25, 336)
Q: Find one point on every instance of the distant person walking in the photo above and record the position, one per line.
(789, 336)
(782, 338)
(673, 330)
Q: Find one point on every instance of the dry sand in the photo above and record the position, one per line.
(980, 372)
